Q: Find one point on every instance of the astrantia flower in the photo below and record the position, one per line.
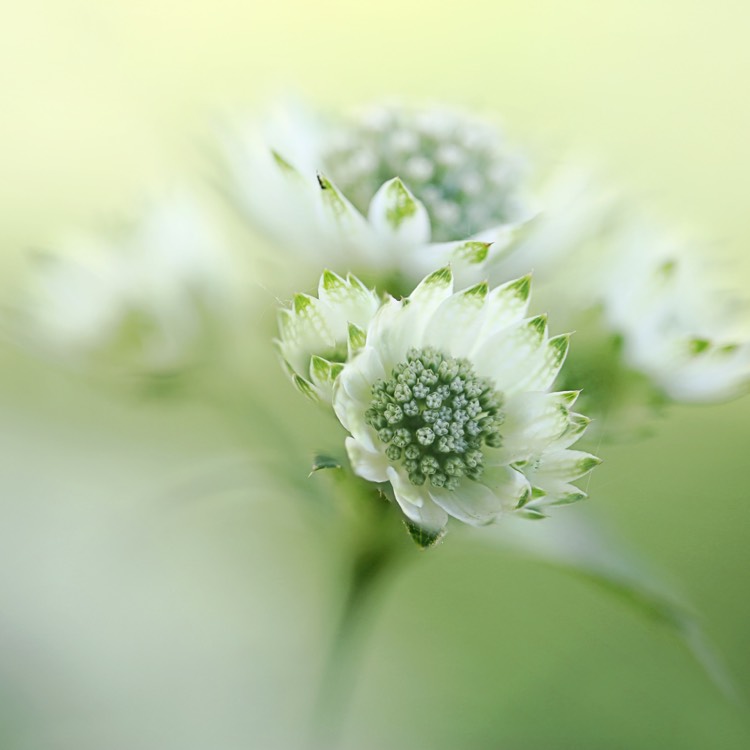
(655, 320)
(459, 167)
(448, 402)
(393, 192)
(316, 336)
(676, 325)
(142, 300)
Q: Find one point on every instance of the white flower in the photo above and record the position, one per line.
(317, 335)
(604, 271)
(448, 402)
(677, 325)
(394, 192)
(142, 299)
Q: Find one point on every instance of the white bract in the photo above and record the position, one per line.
(394, 191)
(448, 401)
(140, 299)
(317, 335)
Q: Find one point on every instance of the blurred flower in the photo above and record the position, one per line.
(675, 325)
(316, 336)
(654, 321)
(145, 301)
(423, 178)
(448, 402)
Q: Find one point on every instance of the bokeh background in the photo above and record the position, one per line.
(158, 591)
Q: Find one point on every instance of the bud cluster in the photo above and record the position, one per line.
(435, 415)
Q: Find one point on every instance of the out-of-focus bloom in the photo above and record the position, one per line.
(654, 323)
(317, 335)
(146, 300)
(676, 326)
(448, 402)
(391, 193)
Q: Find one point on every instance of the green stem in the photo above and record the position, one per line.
(370, 564)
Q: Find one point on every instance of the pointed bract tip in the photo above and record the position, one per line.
(330, 280)
(522, 286)
(424, 538)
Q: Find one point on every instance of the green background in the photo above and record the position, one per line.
(158, 592)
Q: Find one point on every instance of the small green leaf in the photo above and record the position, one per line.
(424, 537)
(322, 461)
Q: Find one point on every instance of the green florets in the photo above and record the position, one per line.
(435, 414)
(458, 168)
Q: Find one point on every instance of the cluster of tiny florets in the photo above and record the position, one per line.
(435, 415)
(457, 167)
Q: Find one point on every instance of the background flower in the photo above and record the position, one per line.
(153, 298)
(425, 179)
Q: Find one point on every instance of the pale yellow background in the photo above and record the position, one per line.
(101, 99)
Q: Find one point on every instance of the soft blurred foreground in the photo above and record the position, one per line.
(160, 592)
(161, 588)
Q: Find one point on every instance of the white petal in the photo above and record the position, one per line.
(422, 303)
(399, 325)
(389, 333)
(541, 375)
(359, 375)
(533, 421)
(455, 325)
(304, 330)
(510, 486)
(509, 355)
(506, 305)
(345, 301)
(466, 258)
(366, 463)
(472, 503)
(396, 214)
(564, 465)
(352, 394)
(416, 503)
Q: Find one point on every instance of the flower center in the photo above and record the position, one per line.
(435, 414)
(458, 168)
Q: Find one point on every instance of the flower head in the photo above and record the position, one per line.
(448, 402)
(457, 166)
(317, 335)
(677, 326)
(142, 301)
(392, 193)
(657, 322)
